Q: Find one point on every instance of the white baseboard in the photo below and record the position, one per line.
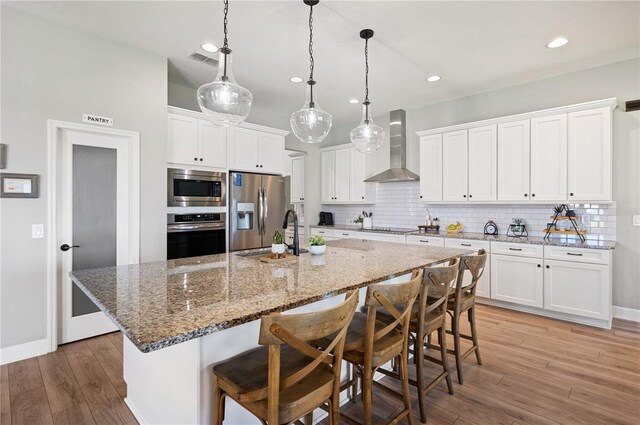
(24, 351)
(626, 313)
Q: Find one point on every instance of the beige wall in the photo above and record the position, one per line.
(619, 80)
(53, 72)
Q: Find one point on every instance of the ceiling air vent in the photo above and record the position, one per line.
(198, 57)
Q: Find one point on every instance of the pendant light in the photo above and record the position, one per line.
(223, 101)
(311, 124)
(367, 137)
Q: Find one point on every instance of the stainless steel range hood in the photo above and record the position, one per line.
(398, 171)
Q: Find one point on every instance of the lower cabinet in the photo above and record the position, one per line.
(517, 279)
(577, 288)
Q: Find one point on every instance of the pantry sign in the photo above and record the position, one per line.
(95, 119)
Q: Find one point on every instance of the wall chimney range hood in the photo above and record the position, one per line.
(398, 171)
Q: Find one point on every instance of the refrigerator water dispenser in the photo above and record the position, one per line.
(244, 219)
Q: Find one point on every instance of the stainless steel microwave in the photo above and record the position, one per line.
(196, 188)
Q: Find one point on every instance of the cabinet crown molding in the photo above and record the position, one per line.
(611, 103)
(201, 116)
(337, 147)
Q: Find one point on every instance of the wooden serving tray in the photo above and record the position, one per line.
(271, 258)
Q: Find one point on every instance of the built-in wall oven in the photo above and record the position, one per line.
(193, 235)
(196, 188)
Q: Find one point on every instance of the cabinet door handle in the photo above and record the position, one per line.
(548, 267)
(260, 165)
(195, 159)
(574, 254)
(526, 194)
(533, 195)
(464, 196)
(200, 159)
(539, 265)
(345, 234)
(256, 165)
(515, 249)
(424, 241)
(363, 197)
(465, 244)
(420, 196)
(571, 194)
(470, 196)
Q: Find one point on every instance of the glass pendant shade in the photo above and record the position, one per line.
(223, 101)
(310, 124)
(367, 137)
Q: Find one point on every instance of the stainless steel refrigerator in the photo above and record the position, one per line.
(256, 209)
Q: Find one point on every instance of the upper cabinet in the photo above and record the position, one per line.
(557, 155)
(431, 168)
(454, 166)
(483, 168)
(256, 151)
(343, 170)
(590, 155)
(549, 158)
(513, 161)
(192, 140)
(297, 179)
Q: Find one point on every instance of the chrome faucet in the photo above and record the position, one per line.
(296, 243)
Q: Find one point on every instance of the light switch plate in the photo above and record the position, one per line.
(636, 220)
(37, 231)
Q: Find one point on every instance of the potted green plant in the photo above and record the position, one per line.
(278, 247)
(359, 220)
(557, 209)
(317, 245)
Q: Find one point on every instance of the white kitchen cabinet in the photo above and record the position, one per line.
(513, 161)
(431, 168)
(578, 288)
(270, 153)
(358, 171)
(518, 280)
(297, 179)
(244, 149)
(454, 166)
(192, 141)
(182, 140)
(549, 158)
(342, 174)
(256, 151)
(382, 237)
(483, 288)
(326, 233)
(483, 167)
(589, 153)
(425, 240)
(327, 176)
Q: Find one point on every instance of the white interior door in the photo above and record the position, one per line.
(97, 214)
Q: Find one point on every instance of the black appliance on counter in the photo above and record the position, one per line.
(193, 235)
(326, 219)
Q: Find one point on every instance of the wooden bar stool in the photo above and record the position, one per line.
(288, 378)
(371, 343)
(429, 315)
(463, 300)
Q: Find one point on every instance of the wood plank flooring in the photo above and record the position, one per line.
(535, 371)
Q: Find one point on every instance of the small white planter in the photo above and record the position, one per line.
(278, 248)
(317, 249)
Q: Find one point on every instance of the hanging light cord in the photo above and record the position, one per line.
(366, 71)
(311, 82)
(225, 47)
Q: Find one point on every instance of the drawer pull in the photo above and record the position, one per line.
(424, 241)
(515, 249)
(320, 231)
(465, 244)
(345, 234)
(571, 253)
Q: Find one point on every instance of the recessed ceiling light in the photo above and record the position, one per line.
(433, 78)
(295, 79)
(558, 42)
(209, 47)
(354, 100)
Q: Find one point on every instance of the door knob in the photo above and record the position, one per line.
(65, 247)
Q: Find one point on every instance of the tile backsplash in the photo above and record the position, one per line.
(397, 205)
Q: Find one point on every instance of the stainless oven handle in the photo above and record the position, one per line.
(176, 228)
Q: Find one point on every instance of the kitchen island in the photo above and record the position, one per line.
(180, 317)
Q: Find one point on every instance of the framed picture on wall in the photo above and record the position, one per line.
(19, 185)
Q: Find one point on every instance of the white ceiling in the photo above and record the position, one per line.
(475, 46)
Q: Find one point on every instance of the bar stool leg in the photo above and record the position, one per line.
(406, 395)
(474, 332)
(218, 403)
(455, 330)
(308, 418)
(367, 393)
(442, 336)
(418, 352)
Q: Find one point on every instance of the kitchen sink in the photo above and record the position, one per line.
(263, 252)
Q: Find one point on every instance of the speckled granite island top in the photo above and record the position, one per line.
(164, 303)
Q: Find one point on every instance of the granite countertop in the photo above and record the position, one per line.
(533, 240)
(358, 228)
(164, 303)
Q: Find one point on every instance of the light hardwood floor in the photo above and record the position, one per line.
(535, 371)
